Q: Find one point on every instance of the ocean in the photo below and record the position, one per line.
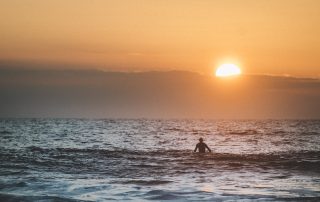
(143, 160)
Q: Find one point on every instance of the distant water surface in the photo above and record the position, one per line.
(141, 160)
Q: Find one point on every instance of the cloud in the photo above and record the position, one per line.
(35, 92)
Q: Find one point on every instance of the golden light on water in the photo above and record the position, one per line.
(226, 70)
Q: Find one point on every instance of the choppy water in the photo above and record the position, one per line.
(98, 160)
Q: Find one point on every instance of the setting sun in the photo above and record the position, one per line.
(227, 70)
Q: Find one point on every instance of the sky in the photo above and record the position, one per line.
(273, 37)
(157, 58)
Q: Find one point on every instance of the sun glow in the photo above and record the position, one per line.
(228, 70)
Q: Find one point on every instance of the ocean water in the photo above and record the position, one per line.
(143, 160)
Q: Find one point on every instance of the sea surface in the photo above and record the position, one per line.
(143, 160)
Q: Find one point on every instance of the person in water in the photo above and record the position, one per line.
(201, 146)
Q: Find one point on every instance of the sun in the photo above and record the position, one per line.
(225, 70)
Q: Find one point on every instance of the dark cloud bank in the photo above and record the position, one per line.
(175, 94)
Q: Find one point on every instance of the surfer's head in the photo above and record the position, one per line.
(200, 139)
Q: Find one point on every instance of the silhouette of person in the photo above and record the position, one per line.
(201, 146)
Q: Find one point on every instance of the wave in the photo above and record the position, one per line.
(95, 160)
(5, 132)
(164, 152)
(147, 182)
(244, 132)
(14, 198)
(163, 195)
(13, 184)
(184, 153)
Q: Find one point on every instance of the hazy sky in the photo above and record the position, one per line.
(262, 36)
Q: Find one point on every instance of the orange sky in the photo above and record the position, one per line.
(264, 37)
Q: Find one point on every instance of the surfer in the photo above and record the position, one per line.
(201, 146)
